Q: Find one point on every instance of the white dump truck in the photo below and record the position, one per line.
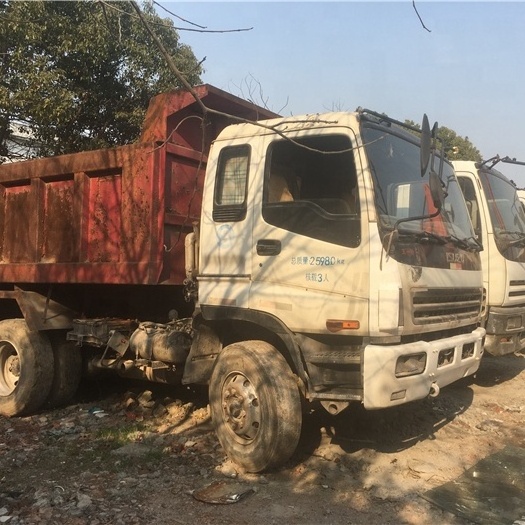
(319, 259)
(521, 196)
(498, 218)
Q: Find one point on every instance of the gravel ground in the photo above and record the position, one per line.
(127, 453)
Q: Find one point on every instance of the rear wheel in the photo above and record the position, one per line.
(255, 405)
(26, 368)
(67, 370)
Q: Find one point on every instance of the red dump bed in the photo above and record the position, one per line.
(116, 215)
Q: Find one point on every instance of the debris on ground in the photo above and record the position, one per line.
(129, 454)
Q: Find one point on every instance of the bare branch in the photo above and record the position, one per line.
(205, 110)
(179, 28)
(105, 15)
(420, 19)
(169, 60)
(179, 17)
(202, 29)
(252, 85)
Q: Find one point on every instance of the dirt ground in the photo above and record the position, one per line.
(143, 454)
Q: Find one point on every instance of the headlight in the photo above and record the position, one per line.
(514, 322)
(410, 365)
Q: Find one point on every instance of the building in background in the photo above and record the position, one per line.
(21, 144)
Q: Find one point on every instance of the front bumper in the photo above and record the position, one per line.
(505, 330)
(381, 387)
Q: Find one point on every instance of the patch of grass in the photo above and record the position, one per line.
(121, 435)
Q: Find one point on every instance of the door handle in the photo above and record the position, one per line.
(268, 247)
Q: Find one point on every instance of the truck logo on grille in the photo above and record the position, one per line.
(415, 272)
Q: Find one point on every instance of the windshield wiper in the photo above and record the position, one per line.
(424, 237)
(516, 242)
(468, 243)
(510, 232)
(504, 242)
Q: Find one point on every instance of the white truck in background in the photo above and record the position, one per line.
(498, 218)
(521, 196)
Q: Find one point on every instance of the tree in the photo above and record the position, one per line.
(455, 146)
(79, 75)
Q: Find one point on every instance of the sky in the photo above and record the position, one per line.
(467, 71)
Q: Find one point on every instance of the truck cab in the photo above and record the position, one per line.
(324, 236)
(498, 217)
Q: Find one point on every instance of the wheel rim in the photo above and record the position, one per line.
(9, 368)
(240, 406)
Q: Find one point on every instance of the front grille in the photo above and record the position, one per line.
(439, 305)
(517, 288)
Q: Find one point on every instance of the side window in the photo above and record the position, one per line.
(231, 183)
(311, 189)
(469, 192)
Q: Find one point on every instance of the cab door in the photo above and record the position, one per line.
(309, 264)
(226, 226)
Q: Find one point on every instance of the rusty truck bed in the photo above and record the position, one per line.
(114, 216)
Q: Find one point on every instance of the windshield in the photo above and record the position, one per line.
(411, 228)
(402, 193)
(506, 214)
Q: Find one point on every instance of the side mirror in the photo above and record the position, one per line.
(435, 129)
(426, 139)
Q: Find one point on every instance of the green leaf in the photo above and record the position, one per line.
(81, 74)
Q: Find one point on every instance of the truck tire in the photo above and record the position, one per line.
(67, 371)
(255, 405)
(26, 368)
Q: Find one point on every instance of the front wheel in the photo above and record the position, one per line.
(26, 368)
(255, 405)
